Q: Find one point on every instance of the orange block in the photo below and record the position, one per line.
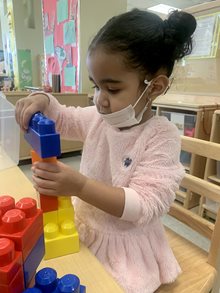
(48, 203)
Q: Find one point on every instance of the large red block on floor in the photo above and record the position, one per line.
(22, 224)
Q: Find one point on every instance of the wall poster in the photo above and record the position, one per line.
(61, 42)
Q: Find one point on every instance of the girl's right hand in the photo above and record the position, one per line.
(26, 107)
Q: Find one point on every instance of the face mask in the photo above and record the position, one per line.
(126, 117)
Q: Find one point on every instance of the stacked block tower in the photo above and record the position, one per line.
(60, 234)
(21, 243)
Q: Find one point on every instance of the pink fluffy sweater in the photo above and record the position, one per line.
(144, 158)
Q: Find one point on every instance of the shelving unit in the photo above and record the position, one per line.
(192, 114)
(212, 173)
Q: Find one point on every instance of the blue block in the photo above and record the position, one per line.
(32, 290)
(46, 281)
(33, 260)
(82, 289)
(42, 136)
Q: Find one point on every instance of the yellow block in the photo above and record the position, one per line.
(65, 209)
(50, 217)
(60, 240)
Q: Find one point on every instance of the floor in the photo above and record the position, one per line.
(74, 161)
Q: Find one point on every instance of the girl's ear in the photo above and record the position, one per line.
(159, 85)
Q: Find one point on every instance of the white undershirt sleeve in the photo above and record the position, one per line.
(132, 208)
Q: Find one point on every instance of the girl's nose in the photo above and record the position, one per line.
(101, 99)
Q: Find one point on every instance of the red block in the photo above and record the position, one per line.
(23, 225)
(47, 203)
(10, 261)
(6, 203)
(16, 285)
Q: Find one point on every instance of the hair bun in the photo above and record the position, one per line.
(178, 30)
(183, 23)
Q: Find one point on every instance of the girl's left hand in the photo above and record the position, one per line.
(57, 179)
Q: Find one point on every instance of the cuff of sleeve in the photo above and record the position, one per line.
(132, 208)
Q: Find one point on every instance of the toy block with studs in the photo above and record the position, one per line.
(10, 267)
(46, 280)
(21, 242)
(21, 222)
(42, 136)
(61, 236)
(33, 260)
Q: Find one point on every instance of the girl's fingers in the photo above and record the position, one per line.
(43, 183)
(44, 166)
(44, 175)
(45, 191)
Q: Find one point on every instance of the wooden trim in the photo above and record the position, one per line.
(204, 7)
(201, 187)
(201, 147)
(192, 220)
(214, 251)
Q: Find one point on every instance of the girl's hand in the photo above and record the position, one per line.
(26, 107)
(57, 179)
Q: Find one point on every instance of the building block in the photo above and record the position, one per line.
(10, 261)
(6, 203)
(46, 281)
(16, 285)
(60, 239)
(42, 136)
(22, 224)
(64, 212)
(33, 260)
(47, 203)
(50, 217)
(21, 242)
(65, 209)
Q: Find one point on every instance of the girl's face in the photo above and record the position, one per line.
(115, 86)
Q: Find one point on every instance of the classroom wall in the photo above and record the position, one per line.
(1, 45)
(29, 31)
(93, 14)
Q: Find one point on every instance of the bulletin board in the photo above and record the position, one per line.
(61, 42)
(206, 36)
(199, 73)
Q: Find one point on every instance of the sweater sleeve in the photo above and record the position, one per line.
(72, 122)
(158, 176)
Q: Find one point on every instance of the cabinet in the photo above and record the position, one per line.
(68, 99)
(212, 171)
(192, 115)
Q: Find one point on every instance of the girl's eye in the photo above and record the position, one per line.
(113, 91)
(95, 87)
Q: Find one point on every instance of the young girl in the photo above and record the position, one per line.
(130, 165)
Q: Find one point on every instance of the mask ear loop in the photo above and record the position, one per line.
(148, 83)
(171, 79)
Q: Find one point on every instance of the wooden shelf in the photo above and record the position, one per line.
(192, 114)
(214, 178)
(209, 208)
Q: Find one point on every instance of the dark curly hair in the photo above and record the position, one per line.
(146, 41)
